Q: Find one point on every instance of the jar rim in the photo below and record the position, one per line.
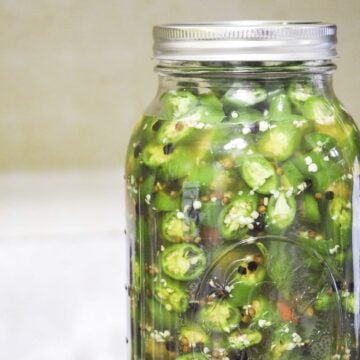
(245, 41)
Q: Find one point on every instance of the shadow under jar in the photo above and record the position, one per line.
(243, 199)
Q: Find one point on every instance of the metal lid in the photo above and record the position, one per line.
(246, 41)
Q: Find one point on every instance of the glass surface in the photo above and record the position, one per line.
(243, 219)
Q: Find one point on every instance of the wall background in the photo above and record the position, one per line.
(74, 75)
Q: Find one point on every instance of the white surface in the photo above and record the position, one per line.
(62, 267)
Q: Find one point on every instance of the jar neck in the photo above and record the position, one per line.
(233, 68)
(173, 74)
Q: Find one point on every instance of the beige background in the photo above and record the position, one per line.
(74, 75)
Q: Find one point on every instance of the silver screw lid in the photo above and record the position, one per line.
(245, 41)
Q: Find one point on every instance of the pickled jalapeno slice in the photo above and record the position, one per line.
(219, 316)
(299, 92)
(237, 218)
(244, 283)
(319, 142)
(175, 131)
(179, 163)
(292, 178)
(339, 221)
(281, 212)
(193, 335)
(320, 110)
(154, 155)
(284, 340)
(259, 174)
(164, 201)
(280, 107)
(309, 209)
(280, 142)
(244, 338)
(183, 261)
(177, 103)
(244, 95)
(170, 294)
(175, 227)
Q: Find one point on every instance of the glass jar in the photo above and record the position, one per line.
(243, 199)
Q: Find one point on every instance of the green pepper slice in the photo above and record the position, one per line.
(280, 107)
(194, 334)
(281, 142)
(183, 261)
(292, 177)
(210, 109)
(150, 127)
(202, 175)
(250, 273)
(284, 341)
(319, 141)
(319, 110)
(244, 94)
(219, 316)
(315, 242)
(350, 142)
(281, 212)
(246, 117)
(259, 174)
(237, 274)
(238, 217)
(207, 111)
(339, 220)
(180, 163)
(266, 314)
(244, 338)
(177, 103)
(155, 155)
(162, 201)
(171, 295)
(174, 226)
(146, 188)
(299, 92)
(321, 170)
(175, 131)
(309, 209)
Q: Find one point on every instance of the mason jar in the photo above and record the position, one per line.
(243, 198)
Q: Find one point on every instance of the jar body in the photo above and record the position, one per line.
(243, 210)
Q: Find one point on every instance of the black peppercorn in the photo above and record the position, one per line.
(171, 346)
(329, 195)
(199, 347)
(156, 126)
(308, 183)
(252, 266)
(137, 151)
(242, 270)
(168, 149)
